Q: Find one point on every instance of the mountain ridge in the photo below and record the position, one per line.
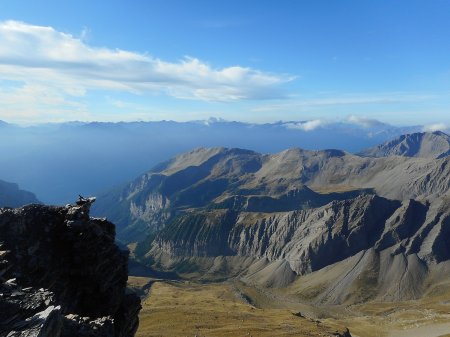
(12, 196)
(214, 176)
(424, 144)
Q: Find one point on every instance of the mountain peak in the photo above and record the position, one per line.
(420, 144)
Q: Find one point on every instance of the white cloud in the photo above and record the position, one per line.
(306, 126)
(36, 54)
(364, 121)
(435, 127)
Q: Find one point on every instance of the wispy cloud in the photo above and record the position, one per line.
(36, 54)
(314, 124)
(31, 102)
(306, 126)
(435, 127)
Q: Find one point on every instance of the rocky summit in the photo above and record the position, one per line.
(61, 274)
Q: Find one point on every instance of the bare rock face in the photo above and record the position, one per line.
(389, 246)
(62, 274)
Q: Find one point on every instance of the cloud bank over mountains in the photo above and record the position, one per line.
(38, 58)
(435, 127)
(352, 120)
(307, 125)
(33, 53)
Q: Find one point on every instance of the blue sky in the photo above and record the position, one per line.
(256, 61)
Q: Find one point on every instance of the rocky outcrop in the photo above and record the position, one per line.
(62, 274)
(12, 196)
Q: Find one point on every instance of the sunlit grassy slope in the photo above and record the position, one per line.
(186, 309)
(224, 309)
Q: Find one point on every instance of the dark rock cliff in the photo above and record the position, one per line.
(61, 274)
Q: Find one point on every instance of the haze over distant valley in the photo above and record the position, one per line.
(59, 161)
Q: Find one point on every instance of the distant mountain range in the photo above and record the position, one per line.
(369, 226)
(289, 180)
(60, 161)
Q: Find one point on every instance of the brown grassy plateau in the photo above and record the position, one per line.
(218, 310)
(234, 309)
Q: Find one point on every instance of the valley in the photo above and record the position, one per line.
(350, 240)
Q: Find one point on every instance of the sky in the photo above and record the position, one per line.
(253, 61)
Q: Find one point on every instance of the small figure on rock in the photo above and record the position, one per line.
(83, 201)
